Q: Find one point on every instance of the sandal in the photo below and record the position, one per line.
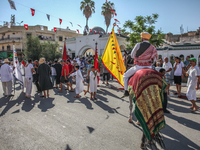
(76, 96)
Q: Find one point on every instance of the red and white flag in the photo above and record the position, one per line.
(79, 26)
(60, 20)
(116, 20)
(77, 30)
(114, 12)
(55, 29)
(26, 26)
(90, 30)
(99, 32)
(95, 32)
(32, 11)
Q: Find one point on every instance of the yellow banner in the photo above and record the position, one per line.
(112, 58)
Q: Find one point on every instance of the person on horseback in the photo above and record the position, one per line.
(143, 53)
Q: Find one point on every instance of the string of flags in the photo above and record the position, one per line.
(12, 5)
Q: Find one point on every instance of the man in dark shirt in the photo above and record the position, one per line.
(35, 76)
(58, 68)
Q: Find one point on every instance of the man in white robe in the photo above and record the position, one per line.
(79, 82)
(93, 83)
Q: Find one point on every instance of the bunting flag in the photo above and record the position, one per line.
(114, 12)
(32, 11)
(77, 30)
(116, 20)
(60, 20)
(112, 58)
(95, 31)
(26, 26)
(79, 26)
(99, 32)
(17, 72)
(48, 17)
(12, 4)
(71, 23)
(55, 29)
(90, 30)
(108, 33)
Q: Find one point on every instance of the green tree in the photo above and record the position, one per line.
(142, 24)
(87, 6)
(49, 51)
(33, 49)
(107, 13)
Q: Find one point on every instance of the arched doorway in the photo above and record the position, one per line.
(86, 50)
(89, 52)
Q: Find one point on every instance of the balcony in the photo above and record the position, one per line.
(10, 40)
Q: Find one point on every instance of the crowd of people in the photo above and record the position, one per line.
(187, 69)
(49, 75)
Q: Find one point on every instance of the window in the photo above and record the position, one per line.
(8, 36)
(60, 38)
(8, 47)
(28, 34)
(3, 48)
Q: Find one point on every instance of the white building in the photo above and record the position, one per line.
(78, 46)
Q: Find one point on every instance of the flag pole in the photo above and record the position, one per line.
(13, 64)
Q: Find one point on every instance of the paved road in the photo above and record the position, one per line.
(62, 122)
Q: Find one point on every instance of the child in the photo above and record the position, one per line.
(79, 82)
(93, 82)
(162, 71)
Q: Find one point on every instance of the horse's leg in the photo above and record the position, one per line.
(131, 109)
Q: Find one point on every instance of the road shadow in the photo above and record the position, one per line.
(176, 140)
(186, 122)
(46, 103)
(68, 147)
(10, 103)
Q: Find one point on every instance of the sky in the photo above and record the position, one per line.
(172, 13)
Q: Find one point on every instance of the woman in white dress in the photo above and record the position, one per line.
(79, 82)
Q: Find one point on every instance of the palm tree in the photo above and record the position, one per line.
(87, 6)
(107, 13)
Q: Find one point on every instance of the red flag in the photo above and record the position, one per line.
(32, 11)
(26, 26)
(95, 32)
(119, 31)
(23, 63)
(116, 20)
(65, 56)
(99, 32)
(79, 26)
(90, 30)
(77, 30)
(60, 20)
(114, 12)
(55, 29)
(96, 62)
(108, 33)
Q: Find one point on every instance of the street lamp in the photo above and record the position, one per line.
(20, 23)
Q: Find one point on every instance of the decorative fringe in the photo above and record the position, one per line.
(157, 140)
